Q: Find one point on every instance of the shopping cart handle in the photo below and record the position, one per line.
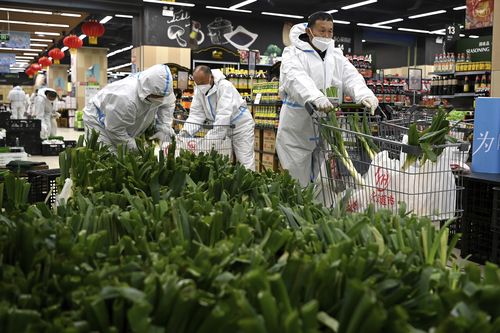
(311, 108)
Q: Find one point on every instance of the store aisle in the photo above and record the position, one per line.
(53, 161)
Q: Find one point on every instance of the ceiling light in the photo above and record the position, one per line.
(106, 19)
(25, 11)
(359, 4)
(333, 11)
(229, 9)
(41, 33)
(41, 40)
(16, 49)
(462, 35)
(374, 26)
(241, 4)
(473, 36)
(341, 22)
(30, 54)
(168, 3)
(39, 45)
(438, 32)
(120, 66)
(71, 15)
(64, 49)
(82, 36)
(363, 41)
(110, 54)
(415, 30)
(23, 57)
(124, 16)
(460, 8)
(390, 21)
(427, 14)
(282, 15)
(36, 23)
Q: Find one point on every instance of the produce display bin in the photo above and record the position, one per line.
(25, 124)
(43, 184)
(53, 149)
(70, 143)
(4, 119)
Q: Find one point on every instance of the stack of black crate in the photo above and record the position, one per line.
(25, 133)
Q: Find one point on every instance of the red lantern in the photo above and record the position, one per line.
(29, 71)
(73, 42)
(56, 54)
(93, 29)
(36, 68)
(45, 62)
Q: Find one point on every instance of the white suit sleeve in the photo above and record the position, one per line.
(196, 115)
(116, 122)
(354, 84)
(9, 97)
(165, 115)
(39, 107)
(295, 81)
(225, 106)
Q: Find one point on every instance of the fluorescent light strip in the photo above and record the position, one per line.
(30, 54)
(229, 9)
(359, 4)
(390, 21)
(16, 49)
(124, 16)
(374, 26)
(460, 8)
(110, 54)
(71, 15)
(241, 4)
(82, 36)
(36, 23)
(341, 22)
(39, 45)
(64, 49)
(23, 57)
(333, 11)
(414, 30)
(473, 36)
(427, 14)
(25, 11)
(41, 40)
(167, 3)
(106, 19)
(118, 67)
(46, 33)
(462, 35)
(363, 41)
(282, 15)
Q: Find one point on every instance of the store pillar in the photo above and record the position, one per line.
(495, 75)
(89, 67)
(161, 35)
(57, 78)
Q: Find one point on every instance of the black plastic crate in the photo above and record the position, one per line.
(25, 125)
(29, 140)
(42, 183)
(53, 149)
(495, 210)
(4, 119)
(69, 143)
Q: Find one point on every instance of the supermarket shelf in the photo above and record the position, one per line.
(442, 73)
(268, 104)
(472, 73)
(466, 95)
(441, 96)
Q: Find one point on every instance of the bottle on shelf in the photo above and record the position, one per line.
(468, 58)
(466, 85)
(454, 84)
(452, 62)
(477, 84)
(436, 63)
(483, 83)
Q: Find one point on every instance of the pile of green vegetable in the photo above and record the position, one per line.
(194, 244)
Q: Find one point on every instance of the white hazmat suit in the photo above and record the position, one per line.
(18, 102)
(122, 110)
(222, 106)
(44, 110)
(303, 74)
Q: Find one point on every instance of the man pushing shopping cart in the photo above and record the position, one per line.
(217, 101)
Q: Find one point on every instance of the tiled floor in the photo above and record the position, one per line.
(53, 161)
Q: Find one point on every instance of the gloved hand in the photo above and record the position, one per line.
(164, 136)
(56, 115)
(372, 103)
(323, 104)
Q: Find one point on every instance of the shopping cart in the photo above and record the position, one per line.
(429, 189)
(203, 138)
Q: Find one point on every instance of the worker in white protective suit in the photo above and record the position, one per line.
(17, 99)
(125, 109)
(43, 107)
(309, 66)
(217, 100)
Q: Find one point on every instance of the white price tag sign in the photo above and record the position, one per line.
(257, 98)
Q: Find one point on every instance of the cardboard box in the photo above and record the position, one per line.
(258, 161)
(257, 145)
(269, 141)
(269, 162)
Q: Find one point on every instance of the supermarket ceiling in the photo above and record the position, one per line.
(426, 16)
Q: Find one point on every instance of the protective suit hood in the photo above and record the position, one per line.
(295, 33)
(154, 81)
(217, 74)
(41, 91)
